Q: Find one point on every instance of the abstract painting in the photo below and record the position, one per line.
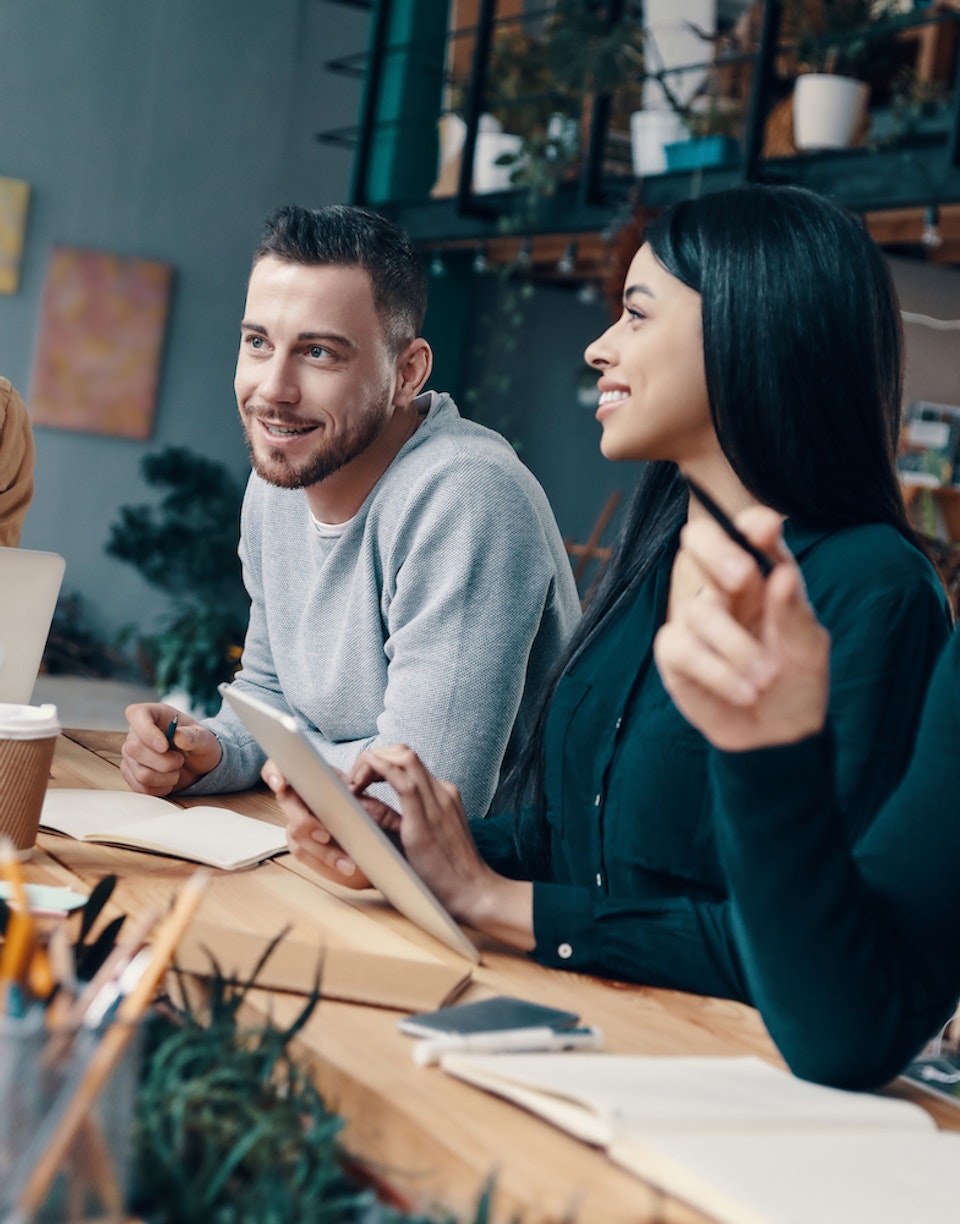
(14, 198)
(97, 363)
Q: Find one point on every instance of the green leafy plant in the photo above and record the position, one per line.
(187, 546)
(538, 84)
(75, 647)
(914, 99)
(839, 36)
(230, 1130)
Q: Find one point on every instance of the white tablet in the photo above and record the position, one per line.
(348, 821)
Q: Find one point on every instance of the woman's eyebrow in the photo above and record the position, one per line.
(635, 289)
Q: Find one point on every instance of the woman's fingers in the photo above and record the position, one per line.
(707, 641)
(308, 838)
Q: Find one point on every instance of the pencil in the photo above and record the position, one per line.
(765, 564)
(19, 941)
(111, 1048)
(172, 729)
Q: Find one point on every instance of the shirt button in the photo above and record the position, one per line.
(598, 801)
(599, 880)
(565, 951)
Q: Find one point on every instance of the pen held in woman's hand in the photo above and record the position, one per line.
(765, 564)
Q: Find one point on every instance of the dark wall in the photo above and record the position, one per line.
(164, 130)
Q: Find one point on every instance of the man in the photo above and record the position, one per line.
(407, 579)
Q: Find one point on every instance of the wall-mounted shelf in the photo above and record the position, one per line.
(898, 179)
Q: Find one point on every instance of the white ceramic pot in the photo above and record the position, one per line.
(491, 144)
(828, 111)
(650, 132)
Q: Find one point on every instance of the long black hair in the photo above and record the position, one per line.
(803, 347)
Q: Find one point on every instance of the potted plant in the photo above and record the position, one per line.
(517, 108)
(696, 129)
(712, 120)
(837, 53)
(539, 91)
(187, 547)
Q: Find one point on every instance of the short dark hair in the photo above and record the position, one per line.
(342, 235)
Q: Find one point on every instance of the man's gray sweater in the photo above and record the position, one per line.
(431, 618)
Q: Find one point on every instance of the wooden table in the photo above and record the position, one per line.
(432, 1139)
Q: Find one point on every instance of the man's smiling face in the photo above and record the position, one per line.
(315, 376)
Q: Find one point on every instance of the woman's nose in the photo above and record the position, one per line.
(597, 353)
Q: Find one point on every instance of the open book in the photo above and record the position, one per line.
(211, 835)
(737, 1138)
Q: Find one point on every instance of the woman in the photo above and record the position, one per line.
(850, 951)
(749, 358)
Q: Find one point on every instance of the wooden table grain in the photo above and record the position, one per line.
(434, 1140)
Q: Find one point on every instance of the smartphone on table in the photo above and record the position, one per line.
(502, 1012)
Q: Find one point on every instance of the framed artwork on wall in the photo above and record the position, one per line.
(96, 368)
(14, 200)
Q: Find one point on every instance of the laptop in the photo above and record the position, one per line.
(347, 819)
(29, 587)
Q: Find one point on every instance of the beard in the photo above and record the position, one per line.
(331, 454)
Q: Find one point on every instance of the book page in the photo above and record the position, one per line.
(858, 1177)
(79, 812)
(630, 1094)
(209, 835)
(215, 836)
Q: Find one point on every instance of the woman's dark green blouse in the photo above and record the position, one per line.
(635, 887)
(851, 954)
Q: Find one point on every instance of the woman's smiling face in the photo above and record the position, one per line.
(653, 388)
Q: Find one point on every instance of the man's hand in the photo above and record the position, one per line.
(151, 765)
(745, 660)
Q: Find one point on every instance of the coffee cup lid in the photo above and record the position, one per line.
(27, 722)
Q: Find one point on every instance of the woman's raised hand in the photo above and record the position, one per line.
(745, 659)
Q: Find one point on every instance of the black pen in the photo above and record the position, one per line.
(765, 564)
(172, 729)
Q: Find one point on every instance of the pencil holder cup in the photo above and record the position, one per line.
(28, 737)
(44, 1076)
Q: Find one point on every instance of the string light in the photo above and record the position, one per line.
(525, 255)
(587, 294)
(930, 236)
(567, 261)
(480, 262)
(438, 269)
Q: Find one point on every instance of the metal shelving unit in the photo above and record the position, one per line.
(922, 174)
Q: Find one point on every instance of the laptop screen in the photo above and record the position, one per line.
(29, 587)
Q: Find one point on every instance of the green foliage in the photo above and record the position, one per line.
(587, 54)
(75, 648)
(533, 77)
(188, 541)
(230, 1130)
(196, 650)
(837, 36)
(186, 545)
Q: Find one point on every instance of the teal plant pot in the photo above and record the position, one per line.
(704, 151)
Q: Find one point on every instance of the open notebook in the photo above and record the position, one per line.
(29, 587)
(212, 835)
(739, 1139)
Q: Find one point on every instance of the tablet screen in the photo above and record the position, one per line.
(349, 823)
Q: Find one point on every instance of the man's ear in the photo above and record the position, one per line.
(413, 369)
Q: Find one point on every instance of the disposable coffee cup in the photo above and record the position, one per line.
(28, 737)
